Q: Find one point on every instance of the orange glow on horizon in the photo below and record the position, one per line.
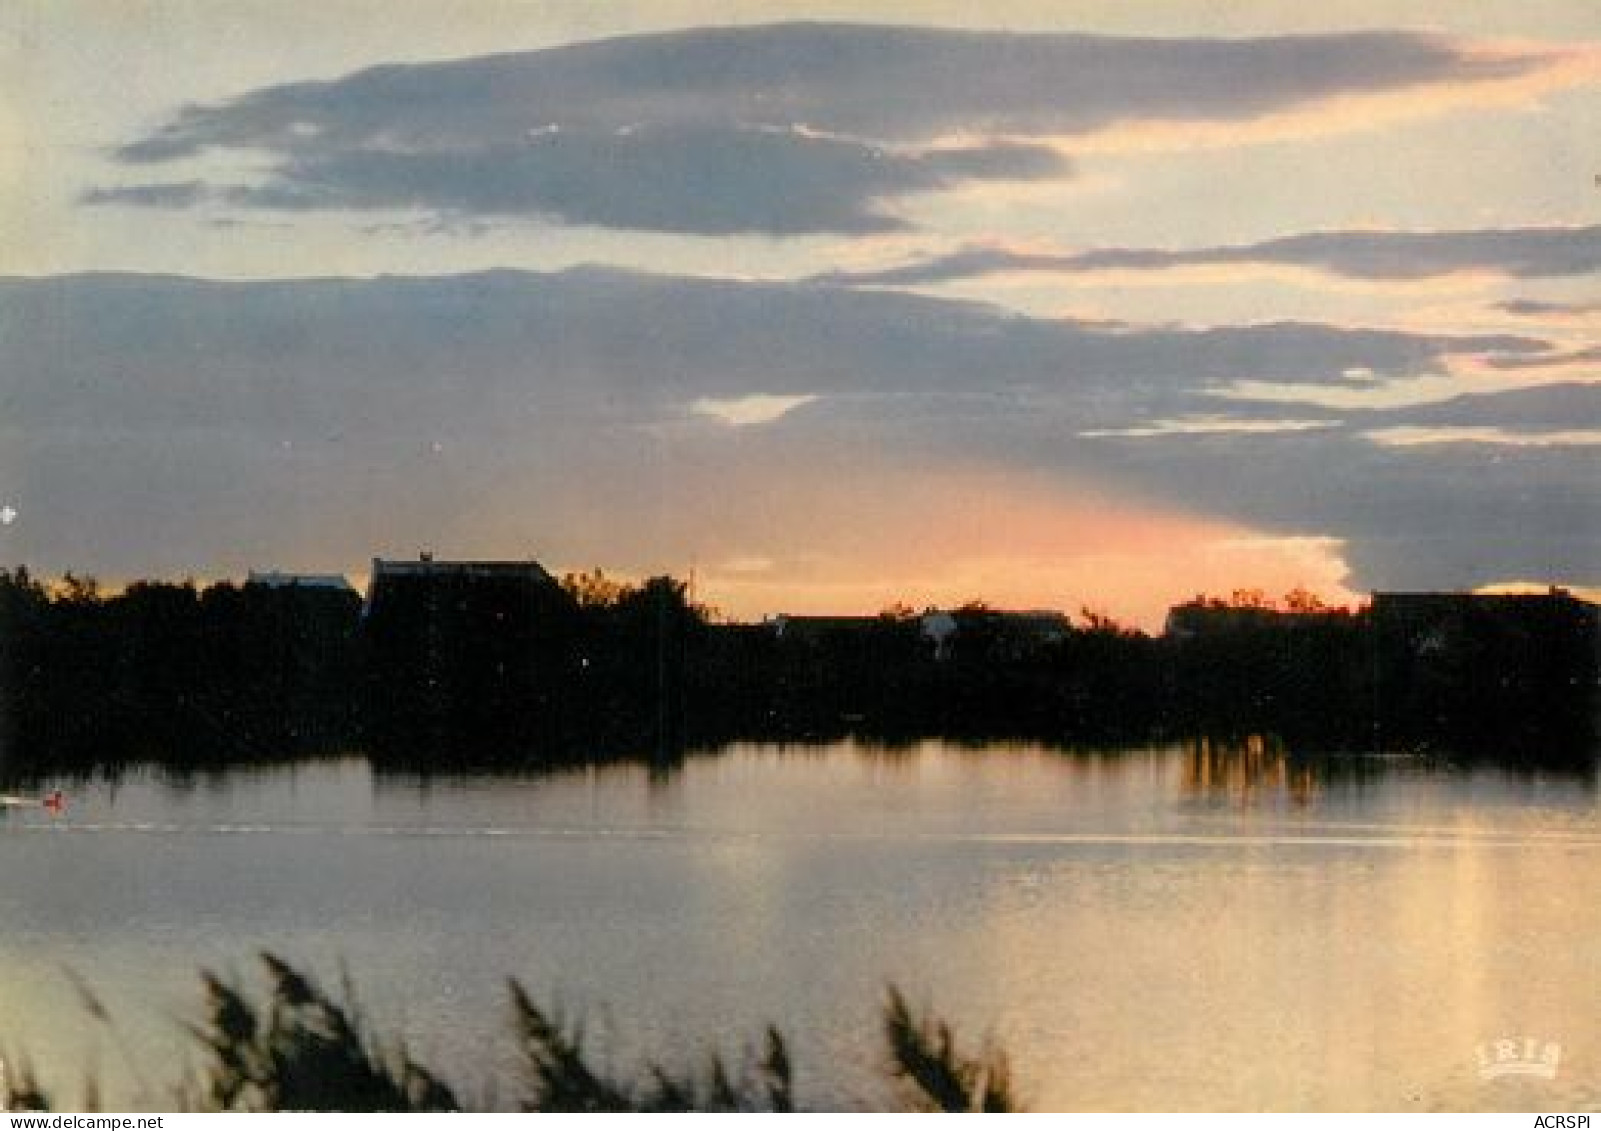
(1016, 543)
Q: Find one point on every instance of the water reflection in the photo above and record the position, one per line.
(1251, 771)
(1338, 932)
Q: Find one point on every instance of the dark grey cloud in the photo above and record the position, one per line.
(177, 194)
(1543, 408)
(1536, 361)
(155, 424)
(1515, 252)
(1531, 308)
(651, 179)
(782, 129)
(595, 340)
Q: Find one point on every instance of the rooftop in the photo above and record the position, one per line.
(277, 579)
(427, 566)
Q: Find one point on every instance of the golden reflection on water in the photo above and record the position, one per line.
(1248, 770)
(1222, 926)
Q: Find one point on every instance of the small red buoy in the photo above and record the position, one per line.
(55, 803)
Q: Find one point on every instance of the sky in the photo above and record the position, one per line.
(831, 305)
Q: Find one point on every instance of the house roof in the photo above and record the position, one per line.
(277, 579)
(428, 567)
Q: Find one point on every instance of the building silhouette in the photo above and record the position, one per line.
(466, 651)
(1519, 668)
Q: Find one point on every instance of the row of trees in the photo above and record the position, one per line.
(159, 671)
(475, 672)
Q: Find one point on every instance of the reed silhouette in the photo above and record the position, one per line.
(299, 1047)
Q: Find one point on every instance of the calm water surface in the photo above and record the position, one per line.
(1177, 927)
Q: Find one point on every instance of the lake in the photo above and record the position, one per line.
(1195, 926)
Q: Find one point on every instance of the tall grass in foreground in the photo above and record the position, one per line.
(300, 1048)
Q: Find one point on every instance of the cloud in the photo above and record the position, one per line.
(1408, 437)
(1543, 389)
(1579, 358)
(758, 408)
(171, 195)
(1535, 308)
(1554, 407)
(170, 425)
(1546, 252)
(1209, 426)
(782, 129)
(702, 180)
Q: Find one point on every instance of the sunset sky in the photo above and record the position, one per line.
(835, 304)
